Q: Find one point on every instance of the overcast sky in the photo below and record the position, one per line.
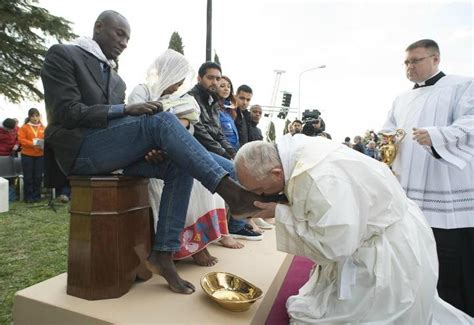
(361, 43)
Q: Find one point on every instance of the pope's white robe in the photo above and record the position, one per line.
(375, 252)
(442, 188)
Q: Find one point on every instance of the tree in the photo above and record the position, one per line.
(176, 43)
(216, 58)
(24, 29)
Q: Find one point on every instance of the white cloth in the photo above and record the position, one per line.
(376, 254)
(183, 107)
(91, 46)
(168, 69)
(442, 188)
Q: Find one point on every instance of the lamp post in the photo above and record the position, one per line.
(299, 86)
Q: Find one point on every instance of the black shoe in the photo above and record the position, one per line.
(245, 233)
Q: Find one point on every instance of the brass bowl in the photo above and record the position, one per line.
(230, 291)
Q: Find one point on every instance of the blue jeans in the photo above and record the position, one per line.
(32, 176)
(124, 144)
(235, 225)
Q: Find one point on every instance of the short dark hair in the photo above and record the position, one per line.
(425, 43)
(298, 121)
(9, 123)
(245, 89)
(347, 139)
(206, 66)
(33, 111)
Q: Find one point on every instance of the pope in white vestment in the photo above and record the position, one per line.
(375, 253)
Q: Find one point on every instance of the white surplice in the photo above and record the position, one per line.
(375, 252)
(442, 188)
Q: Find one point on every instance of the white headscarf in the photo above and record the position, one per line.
(168, 69)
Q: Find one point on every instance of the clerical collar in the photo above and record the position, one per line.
(431, 81)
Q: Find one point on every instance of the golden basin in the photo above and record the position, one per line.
(230, 291)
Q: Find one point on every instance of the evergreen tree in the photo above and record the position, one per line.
(24, 29)
(216, 58)
(176, 43)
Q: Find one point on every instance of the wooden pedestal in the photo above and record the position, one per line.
(109, 236)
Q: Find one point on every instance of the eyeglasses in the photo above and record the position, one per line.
(416, 61)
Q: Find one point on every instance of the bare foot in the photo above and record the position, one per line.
(162, 263)
(254, 226)
(230, 242)
(204, 258)
(241, 201)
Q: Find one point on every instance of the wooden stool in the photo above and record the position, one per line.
(109, 236)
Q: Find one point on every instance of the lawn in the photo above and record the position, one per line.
(33, 248)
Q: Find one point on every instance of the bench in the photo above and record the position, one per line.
(110, 235)
(10, 167)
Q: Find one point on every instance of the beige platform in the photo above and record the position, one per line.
(151, 302)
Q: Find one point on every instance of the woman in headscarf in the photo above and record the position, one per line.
(206, 217)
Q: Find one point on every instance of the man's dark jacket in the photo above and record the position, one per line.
(77, 97)
(242, 124)
(255, 134)
(208, 130)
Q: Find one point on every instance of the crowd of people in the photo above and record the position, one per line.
(213, 179)
(368, 145)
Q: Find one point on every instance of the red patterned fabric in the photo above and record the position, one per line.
(207, 229)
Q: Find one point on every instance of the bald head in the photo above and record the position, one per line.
(111, 32)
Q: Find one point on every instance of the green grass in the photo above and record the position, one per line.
(33, 248)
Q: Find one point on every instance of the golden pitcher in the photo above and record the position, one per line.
(391, 141)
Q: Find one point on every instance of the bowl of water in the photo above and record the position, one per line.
(230, 291)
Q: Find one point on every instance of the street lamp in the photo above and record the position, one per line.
(299, 86)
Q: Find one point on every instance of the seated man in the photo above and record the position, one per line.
(91, 132)
(375, 253)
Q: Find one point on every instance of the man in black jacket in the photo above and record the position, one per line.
(208, 131)
(243, 97)
(255, 115)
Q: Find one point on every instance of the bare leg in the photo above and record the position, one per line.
(204, 258)
(230, 242)
(254, 226)
(162, 263)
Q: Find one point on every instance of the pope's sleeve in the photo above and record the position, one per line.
(325, 223)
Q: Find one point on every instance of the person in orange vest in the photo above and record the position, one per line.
(31, 138)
